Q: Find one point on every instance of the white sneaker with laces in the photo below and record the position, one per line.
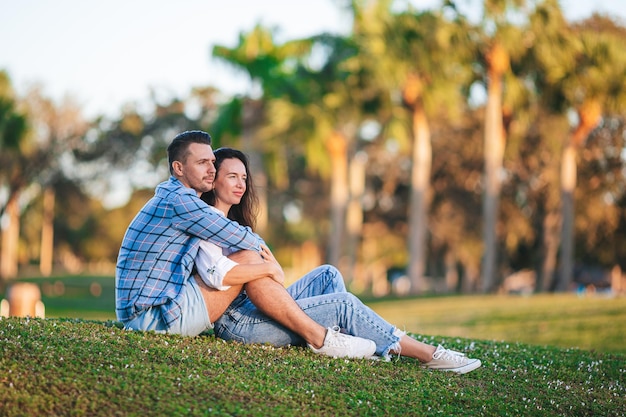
(339, 345)
(451, 360)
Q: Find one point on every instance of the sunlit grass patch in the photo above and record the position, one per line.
(564, 320)
(77, 367)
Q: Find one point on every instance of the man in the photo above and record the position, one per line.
(155, 287)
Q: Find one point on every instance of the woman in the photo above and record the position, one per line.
(321, 293)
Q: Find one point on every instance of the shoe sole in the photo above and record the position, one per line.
(467, 368)
(371, 350)
(460, 370)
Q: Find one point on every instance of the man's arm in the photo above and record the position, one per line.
(222, 272)
(194, 216)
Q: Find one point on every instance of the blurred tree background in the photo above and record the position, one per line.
(421, 153)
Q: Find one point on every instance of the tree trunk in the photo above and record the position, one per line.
(471, 275)
(355, 211)
(494, 151)
(568, 184)
(420, 184)
(47, 233)
(550, 243)
(251, 115)
(451, 271)
(338, 151)
(589, 115)
(412, 95)
(10, 239)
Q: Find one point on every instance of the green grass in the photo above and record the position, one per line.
(563, 320)
(86, 297)
(72, 367)
(79, 362)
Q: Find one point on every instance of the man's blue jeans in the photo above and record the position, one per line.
(322, 295)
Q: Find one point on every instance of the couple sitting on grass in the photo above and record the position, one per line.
(190, 261)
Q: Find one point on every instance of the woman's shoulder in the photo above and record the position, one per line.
(216, 210)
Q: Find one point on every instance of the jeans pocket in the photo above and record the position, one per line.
(223, 331)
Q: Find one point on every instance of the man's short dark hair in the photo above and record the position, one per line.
(177, 150)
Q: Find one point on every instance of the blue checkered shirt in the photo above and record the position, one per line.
(158, 251)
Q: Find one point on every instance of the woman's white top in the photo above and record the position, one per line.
(212, 263)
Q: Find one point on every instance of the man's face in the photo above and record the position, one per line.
(198, 169)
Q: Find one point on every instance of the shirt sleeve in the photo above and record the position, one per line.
(194, 216)
(213, 266)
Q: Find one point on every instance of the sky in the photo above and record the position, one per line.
(103, 54)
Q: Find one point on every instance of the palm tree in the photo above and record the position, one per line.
(497, 64)
(46, 254)
(501, 41)
(428, 62)
(334, 107)
(318, 114)
(549, 55)
(53, 131)
(13, 128)
(579, 68)
(595, 85)
(318, 109)
(264, 62)
(60, 129)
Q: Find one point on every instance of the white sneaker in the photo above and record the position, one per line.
(339, 345)
(450, 360)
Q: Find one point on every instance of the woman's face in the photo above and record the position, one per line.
(230, 182)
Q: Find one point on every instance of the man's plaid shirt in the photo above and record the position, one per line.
(158, 251)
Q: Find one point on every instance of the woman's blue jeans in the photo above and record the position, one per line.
(322, 295)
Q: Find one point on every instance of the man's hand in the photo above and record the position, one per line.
(254, 265)
(268, 256)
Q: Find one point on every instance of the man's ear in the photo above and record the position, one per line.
(177, 166)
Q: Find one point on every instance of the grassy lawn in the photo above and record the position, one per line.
(72, 367)
(80, 362)
(85, 297)
(564, 320)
